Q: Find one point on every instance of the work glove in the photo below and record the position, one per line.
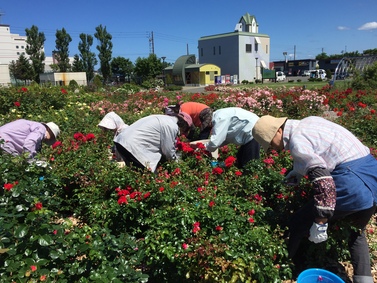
(292, 179)
(41, 163)
(318, 233)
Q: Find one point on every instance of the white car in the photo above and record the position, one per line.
(306, 73)
(280, 76)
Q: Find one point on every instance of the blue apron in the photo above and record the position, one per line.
(356, 184)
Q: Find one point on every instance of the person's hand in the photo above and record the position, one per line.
(41, 163)
(121, 164)
(194, 145)
(292, 178)
(318, 233)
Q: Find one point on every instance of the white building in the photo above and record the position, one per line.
(242, 52)
(11, 47)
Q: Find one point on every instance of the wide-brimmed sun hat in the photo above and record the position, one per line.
(54, 129)
(265, 129)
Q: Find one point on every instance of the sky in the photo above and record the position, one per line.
(301, 28)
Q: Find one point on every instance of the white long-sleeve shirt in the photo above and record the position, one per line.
(232, 125)
(150, 138)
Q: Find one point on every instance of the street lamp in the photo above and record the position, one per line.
(163, 67)
(285, 60)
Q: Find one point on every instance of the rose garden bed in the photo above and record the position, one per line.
(84, 219)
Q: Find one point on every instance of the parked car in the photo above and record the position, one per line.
(318, 74)
(306, 73)
(280, 76)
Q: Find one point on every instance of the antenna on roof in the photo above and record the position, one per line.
(1, 15)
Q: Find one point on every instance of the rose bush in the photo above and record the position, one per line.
(84, 219)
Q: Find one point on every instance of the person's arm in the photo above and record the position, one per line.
(219, 133)
(168, 140)
(33, 141)
(324, 193)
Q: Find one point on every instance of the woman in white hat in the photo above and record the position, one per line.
(343, 175)
(114, 123)
(27, 136)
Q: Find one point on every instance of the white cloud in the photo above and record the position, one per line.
(368, 26)
(343, 28)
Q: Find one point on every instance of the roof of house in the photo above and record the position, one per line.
(248, 19)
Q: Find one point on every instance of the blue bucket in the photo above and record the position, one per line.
(316, 275)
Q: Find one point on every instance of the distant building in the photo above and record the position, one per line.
(242, 52)
(186, 71)
(11, 47)
(295, 67)
(63, 79)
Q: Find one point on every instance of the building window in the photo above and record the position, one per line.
(207, 73)
(17, 46)
(248, 48)
(215, 72)
(219, 50)
(214, 50)
(22, 47)
(256, 47)
(266, 49)
(18, 53)
(201, 52)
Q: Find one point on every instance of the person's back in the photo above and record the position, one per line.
(231, 125)
(193, 109)
(150, 138)
(22, 135)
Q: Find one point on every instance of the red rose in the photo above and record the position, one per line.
(8, 186)
(38, 206)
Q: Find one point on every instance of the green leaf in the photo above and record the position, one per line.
(45, 240)
(21, 231)
(54, 254)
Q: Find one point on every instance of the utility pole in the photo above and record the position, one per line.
(151, 43)
(294, 53)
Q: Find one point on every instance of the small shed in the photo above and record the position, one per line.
(63, 78)
(186, 71)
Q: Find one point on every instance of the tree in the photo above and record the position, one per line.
(148, 68)
(21, 69)
(88, 58)
(105, 51)
(35, 43)
(122, 67)
(322, 56)
(78, 64)
(62, 49)
(366, 79)
(370, 51)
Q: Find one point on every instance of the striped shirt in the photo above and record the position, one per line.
(317, 142)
